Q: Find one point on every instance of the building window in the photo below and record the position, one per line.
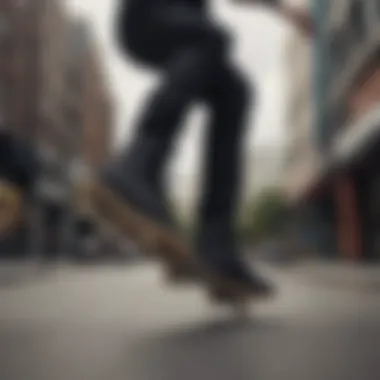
(339, 117)
(73, 117)
(358, 19)
(293, 154)
(22, 3)
(4, 25)
(5, 93)
(5, 35)
(339, 48)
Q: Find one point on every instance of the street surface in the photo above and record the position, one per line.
(121, 323)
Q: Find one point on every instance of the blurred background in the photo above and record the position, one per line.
(312, 164)
(74, 97)
(311, 146)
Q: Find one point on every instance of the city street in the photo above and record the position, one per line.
(110, 323)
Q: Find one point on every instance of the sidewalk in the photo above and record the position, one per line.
(17, 271)
(350, 276)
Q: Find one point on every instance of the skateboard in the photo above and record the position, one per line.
(155, 240)
(170, 249)
(224, 292)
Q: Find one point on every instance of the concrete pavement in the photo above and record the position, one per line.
(359, 277)
(117, 323)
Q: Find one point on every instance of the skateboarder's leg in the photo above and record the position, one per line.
(188, 50)
(229, 101)
(143, 162)
(230, 104)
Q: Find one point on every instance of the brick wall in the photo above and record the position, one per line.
(349, 233)
(97, 112)
(302, 157)
(89, 104)
(366, 94)
(32, 67)
(17, 45)
(53, 65)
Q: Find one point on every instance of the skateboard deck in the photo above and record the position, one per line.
(174, 253)
(153, 239)
(223, 292)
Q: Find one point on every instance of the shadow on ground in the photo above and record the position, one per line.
(212, 350)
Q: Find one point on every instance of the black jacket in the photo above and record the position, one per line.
(19, 162)
(147, 5)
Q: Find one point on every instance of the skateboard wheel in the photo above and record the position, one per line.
(178, 274)
(238, 304)
(224, 295)
(241, 309)
(172, 275)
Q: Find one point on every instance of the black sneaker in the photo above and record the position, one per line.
(229, 276)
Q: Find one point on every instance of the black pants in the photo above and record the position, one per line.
(191, 53)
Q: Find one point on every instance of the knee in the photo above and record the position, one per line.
(217, 43)
(241, 89)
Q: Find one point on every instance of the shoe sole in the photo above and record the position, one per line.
(224, 290)
(155, 240)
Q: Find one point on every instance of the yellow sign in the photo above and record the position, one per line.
(10, 207)
(83, 198)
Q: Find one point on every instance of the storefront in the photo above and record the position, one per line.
(367, 174)
(52, 229)
(13, 237)
(310, 193)
(338, 203)
(357, 157)
(373, 216)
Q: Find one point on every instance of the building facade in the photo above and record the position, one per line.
(53, 138)
(303, 162)
(347, 121)
(31, 71)
(53, 94)
(90, 116)
(17, 61)
(302, 158)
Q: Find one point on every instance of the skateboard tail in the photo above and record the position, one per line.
(154, 239)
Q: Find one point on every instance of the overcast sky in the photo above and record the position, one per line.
(259, 51)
